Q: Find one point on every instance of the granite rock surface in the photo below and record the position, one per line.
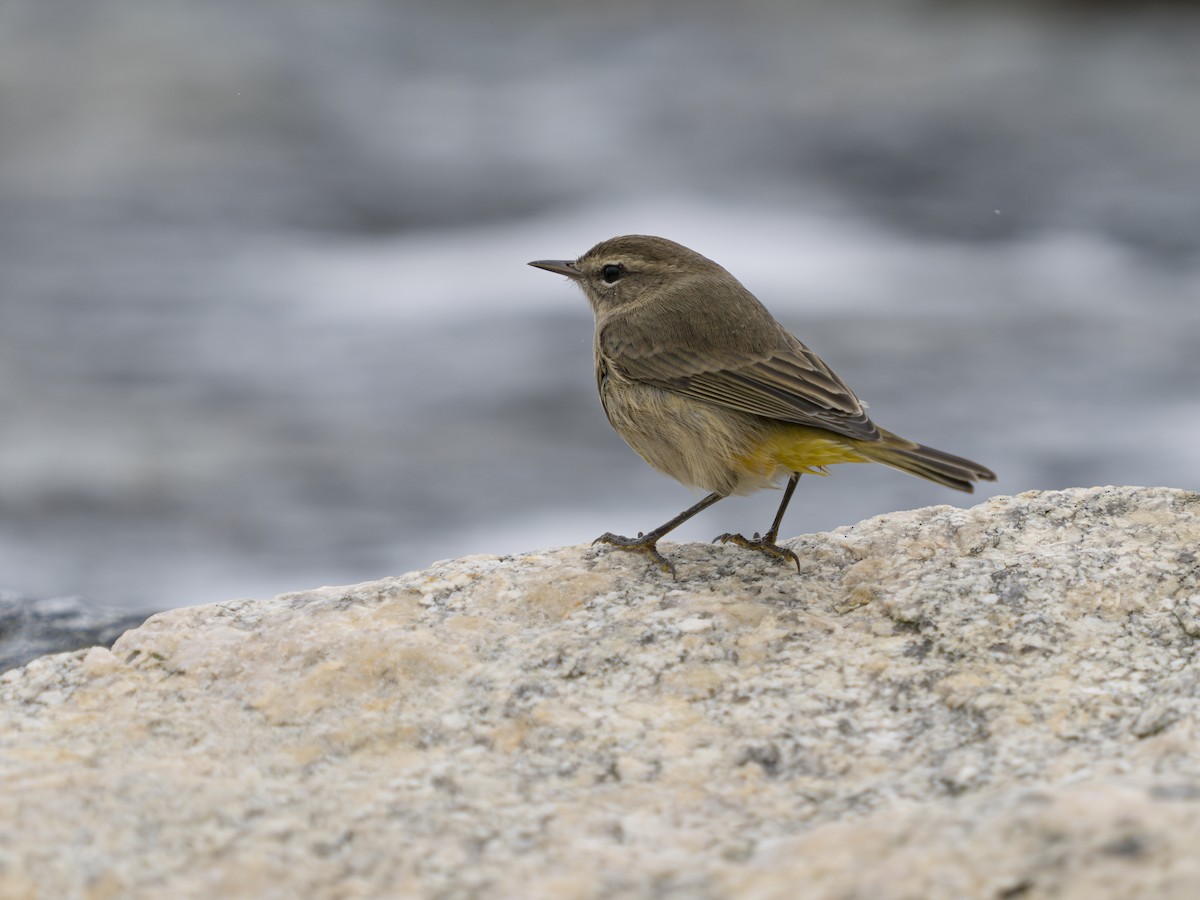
(999, 702)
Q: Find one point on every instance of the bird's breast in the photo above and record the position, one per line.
(696, 443)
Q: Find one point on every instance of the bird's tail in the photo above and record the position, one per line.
(926, 462)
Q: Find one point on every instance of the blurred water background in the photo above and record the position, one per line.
(265, 319)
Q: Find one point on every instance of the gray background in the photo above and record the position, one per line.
(265, 321)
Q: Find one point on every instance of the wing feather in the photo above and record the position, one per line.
(751, 364)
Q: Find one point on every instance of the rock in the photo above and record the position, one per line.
(997, 702)
(33, 628)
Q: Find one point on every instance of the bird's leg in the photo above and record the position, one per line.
(766, 543)
(648, 543)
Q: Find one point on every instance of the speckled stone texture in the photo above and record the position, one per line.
(994, 702)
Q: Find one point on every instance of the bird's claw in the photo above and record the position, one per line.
(763, 545)
(638, 544)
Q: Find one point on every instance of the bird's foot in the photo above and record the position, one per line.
(639, 544)
(765, 545)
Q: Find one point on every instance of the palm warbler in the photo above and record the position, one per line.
(707, 387)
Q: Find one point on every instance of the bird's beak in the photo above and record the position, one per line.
(560, 266)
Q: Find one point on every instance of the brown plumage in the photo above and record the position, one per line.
(702, 381)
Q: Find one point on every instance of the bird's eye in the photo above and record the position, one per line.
(612, 272)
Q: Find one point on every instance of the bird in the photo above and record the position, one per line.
(703, 383)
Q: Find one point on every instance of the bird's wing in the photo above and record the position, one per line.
(782, 380)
